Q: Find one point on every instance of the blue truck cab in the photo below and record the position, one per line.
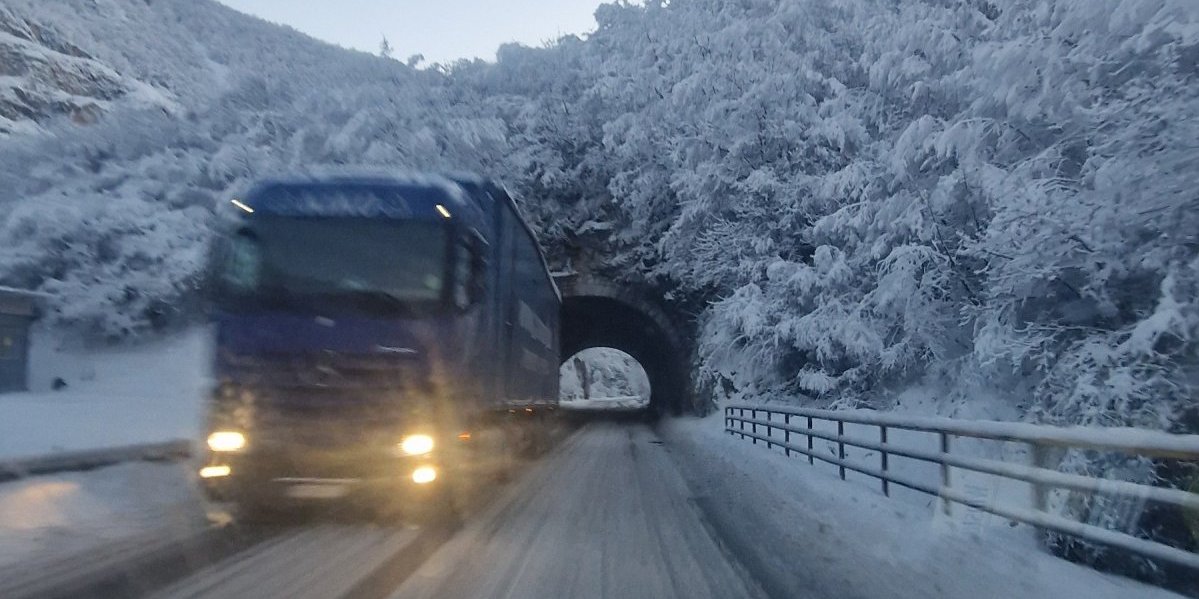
(377, 339)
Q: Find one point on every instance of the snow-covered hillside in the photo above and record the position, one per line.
(972, 196)
(111, 217)
(990, 196)
(861, 195)
(43, 77)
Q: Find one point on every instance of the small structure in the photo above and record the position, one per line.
(18, 309)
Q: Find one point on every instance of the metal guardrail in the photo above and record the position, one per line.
(88, 459)
(776, 425)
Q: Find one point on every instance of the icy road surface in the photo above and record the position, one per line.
(612, 511)
(604, 515)
(317, 562)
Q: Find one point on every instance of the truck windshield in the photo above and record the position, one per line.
(346, 262)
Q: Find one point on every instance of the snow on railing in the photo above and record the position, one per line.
(761, 423)
(88, 459)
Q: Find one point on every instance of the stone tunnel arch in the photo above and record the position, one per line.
(599, 313)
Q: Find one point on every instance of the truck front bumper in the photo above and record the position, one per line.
(294, 478)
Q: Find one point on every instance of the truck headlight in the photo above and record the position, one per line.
(416, 445)
(424, 475)
(226, 441)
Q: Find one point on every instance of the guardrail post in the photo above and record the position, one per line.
(741, 420)
(945, 474)
(769, 431)
(787, 435)
(1040, 492)
(841, 446)
(811, 460)
(754, 425)
(882, 438)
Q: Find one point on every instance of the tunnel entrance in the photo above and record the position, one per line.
(603, 379)
(593, 321)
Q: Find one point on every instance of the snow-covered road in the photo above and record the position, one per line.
(61, 516)
(605, 515)
(614, 511)
(316, 562)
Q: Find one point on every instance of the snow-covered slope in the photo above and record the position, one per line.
(977, 196)
(42, 77)
(860, 195)
(187, 101)
(191, 51)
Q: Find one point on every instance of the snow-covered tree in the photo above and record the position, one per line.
(859, 194)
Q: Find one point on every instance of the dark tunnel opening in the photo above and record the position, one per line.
(595, 321)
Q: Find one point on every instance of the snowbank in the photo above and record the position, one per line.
(797, 526)
(118, 396)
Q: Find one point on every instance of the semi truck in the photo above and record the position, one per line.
(385, 341)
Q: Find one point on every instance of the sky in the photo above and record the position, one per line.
(441, 30)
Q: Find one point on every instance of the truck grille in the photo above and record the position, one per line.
(327, 370)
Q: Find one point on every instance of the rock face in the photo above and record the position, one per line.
(43, 77)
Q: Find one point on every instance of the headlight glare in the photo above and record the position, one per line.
(215, 471)
(225, 441)
(424, 475)
(416, 444)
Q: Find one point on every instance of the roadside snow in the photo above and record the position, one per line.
(605, 403)
(142, 394)
(51, 516)
(797, 526)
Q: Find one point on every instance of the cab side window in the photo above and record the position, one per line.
(242, 263)
(463, 267)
